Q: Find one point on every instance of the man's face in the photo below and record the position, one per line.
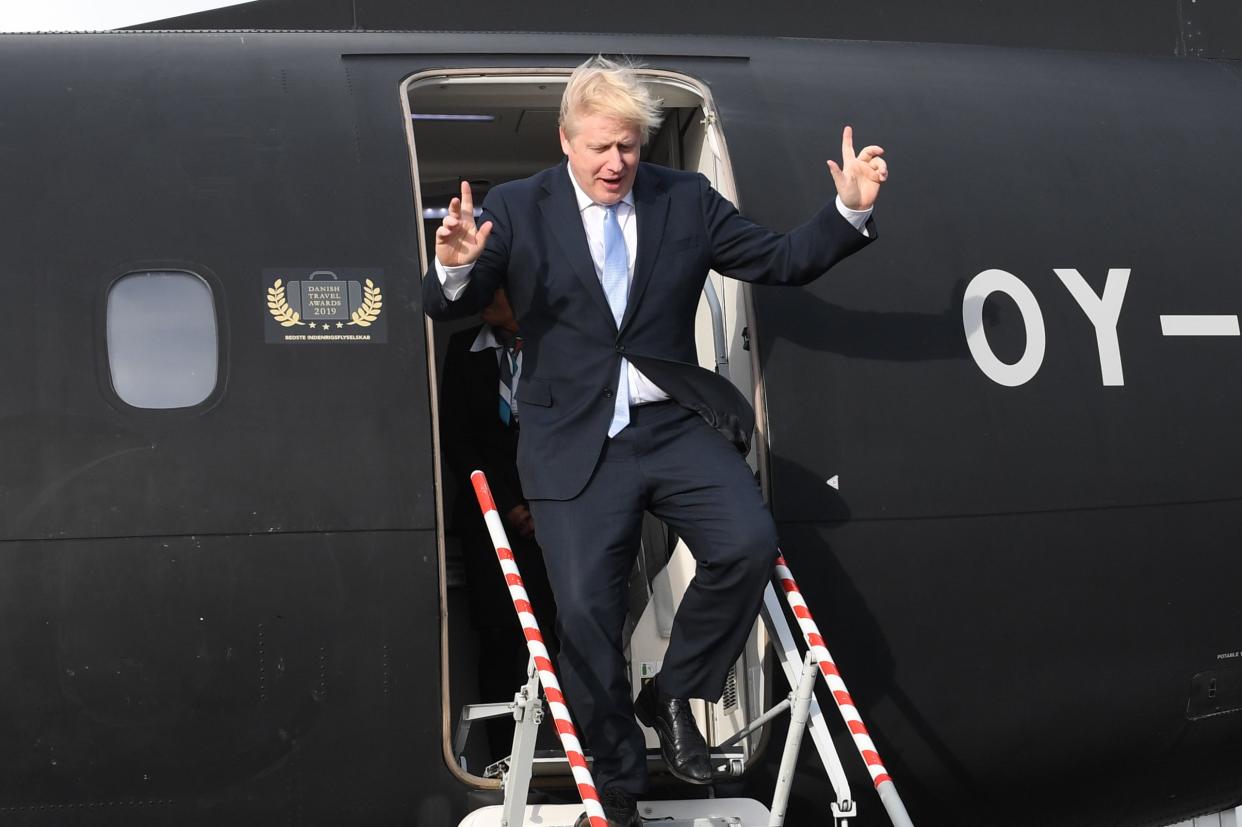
(603, 156)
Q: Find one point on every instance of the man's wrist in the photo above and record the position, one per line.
(858, 218)
(453, 280)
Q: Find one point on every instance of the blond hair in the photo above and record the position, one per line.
(605, 87)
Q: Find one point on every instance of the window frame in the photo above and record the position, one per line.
(103, 359)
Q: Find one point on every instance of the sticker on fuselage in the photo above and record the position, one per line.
(338, 305)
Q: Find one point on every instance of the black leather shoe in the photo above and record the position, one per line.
(681, 743)
(620, 808)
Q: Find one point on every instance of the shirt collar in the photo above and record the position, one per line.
(585, 201)
(486, 340)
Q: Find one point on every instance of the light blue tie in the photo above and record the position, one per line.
(616, 283)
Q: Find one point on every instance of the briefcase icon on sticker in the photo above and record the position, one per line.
(323, 297)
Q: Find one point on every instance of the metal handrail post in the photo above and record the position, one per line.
(798, 716)
(527, 713)
(790, 659)
(884, 785)
(539, 653)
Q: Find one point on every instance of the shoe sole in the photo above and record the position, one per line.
(648, 720)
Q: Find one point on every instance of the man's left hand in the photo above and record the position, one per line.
(858, 178)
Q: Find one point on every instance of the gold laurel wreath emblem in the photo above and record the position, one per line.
(369, 310)
(278, 306)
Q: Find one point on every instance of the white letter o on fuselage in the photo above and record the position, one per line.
(977, 292)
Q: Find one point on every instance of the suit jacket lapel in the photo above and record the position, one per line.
(651, 206)
(560, 211)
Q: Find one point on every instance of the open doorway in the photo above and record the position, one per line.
(489, 127)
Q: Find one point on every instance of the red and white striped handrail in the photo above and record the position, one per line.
(849, 712)
(539, 652)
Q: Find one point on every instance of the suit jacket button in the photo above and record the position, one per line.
(607, 393)
(620, 348)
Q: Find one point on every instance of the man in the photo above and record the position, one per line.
(604, 260)
(479, 430)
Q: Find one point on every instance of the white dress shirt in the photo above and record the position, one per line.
(642, 390)
(488, 340)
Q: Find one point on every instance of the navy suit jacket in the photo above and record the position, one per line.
(573, 348)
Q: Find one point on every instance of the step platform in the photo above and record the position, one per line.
(711, 812)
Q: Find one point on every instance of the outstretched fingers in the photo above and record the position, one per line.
(453, 217)
(467, 202)
(847, 145)
(880, 166)
(459, 240)
(838, 176)
(858, 176)
(483, 233)
(869, 153)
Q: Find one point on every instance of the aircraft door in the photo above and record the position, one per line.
(498, 125)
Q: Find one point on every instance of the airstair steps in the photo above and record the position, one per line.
(712, 812)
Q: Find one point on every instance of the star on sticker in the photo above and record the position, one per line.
(313, 325)
(340, 324)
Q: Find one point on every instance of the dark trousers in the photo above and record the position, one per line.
(670, 462)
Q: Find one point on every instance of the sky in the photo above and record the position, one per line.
(93, 15)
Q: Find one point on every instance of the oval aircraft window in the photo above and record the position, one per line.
(162, 339)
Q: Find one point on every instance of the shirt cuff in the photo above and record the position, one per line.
(453, 280)
(858, 218)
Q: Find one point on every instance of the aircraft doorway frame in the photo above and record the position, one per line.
(723, 181)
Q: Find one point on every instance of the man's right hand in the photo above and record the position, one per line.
(520, 520)
(459, 241)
